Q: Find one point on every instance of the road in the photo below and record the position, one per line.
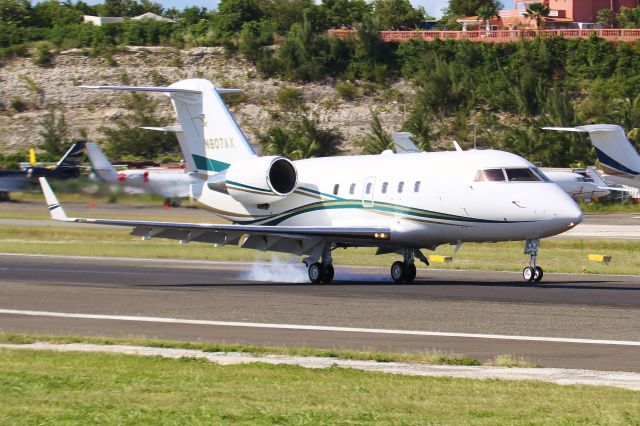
(569, 321)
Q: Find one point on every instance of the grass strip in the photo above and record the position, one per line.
(428, 357)
(555, 255)
(78, 388)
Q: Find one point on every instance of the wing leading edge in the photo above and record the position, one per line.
(288, 239)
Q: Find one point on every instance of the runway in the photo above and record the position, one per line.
(569, 321)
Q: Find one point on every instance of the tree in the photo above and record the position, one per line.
(128, 139)
(15, 12)
(344, 13)
(488, 11)
(605, 17)
(299, 138)
(233, 14)
(536, 12)
(397, 14)
(377, 140)
(54, 133)
(470, 7)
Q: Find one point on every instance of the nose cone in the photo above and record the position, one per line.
(566, 214)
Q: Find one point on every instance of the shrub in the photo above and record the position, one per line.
(18, 105)
(43, 57)
(346, 90)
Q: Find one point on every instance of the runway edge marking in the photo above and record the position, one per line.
(315, 327)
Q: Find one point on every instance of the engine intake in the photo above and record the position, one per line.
(257, 180)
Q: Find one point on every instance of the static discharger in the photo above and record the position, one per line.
(440, 259)
(599, 258)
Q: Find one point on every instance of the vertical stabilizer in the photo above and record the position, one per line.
(617, 155)
(210, 133)
(100, 164)
(211, 139)
(73, 156)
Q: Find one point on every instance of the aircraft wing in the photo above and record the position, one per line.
(288, 239)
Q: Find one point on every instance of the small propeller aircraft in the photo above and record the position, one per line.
(18, 180)
(397, 203)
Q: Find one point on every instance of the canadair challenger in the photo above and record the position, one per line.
(397, 203)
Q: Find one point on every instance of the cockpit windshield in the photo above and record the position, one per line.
(489, 175)
(519, 174)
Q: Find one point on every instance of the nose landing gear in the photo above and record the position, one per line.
(532, 272)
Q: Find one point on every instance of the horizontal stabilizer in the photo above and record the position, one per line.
(159, 89)
(170, 129)
(564, 129)
(404, 144)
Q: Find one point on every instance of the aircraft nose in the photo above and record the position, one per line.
(571, 214)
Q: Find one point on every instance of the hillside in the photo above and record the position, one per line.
(54, 87)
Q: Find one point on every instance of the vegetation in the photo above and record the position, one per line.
(51, 387)
(509, 89)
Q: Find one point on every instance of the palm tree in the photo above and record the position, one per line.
(537, 11)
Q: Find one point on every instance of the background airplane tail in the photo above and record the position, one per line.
(100, 165)
(617, 155)
(211, 138)
(73, 157)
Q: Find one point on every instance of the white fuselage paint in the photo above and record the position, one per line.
(168, 183)
(449, 206)
(576, 185)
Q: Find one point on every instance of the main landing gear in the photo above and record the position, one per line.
(322, 272)
(532, 272)
(404, 271)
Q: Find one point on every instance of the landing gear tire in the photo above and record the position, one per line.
(537, 273)
(328, 274)
(398, 272)
(315, 273)
(528, 274)
(410, 273)
(319, 273)
(402, 272)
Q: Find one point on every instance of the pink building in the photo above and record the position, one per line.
(563, 14)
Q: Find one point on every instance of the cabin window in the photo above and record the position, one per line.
(368, 188)
(352, 189)
(416, 186)
(522, 175)
(385, 185)
(489, 175)
(335, 189)
(400, 187)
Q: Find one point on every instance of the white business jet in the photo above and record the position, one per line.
(398, 203)
(173, 184)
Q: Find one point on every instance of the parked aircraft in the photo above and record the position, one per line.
(578, 186)
(398, 203)
(618, 158)
(170, 183)
(19, 180)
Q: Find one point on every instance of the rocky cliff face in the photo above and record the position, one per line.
(87, 110)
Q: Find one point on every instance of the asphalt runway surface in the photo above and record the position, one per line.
(568, 321)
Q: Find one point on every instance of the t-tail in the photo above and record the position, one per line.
(211, 138)
(100, 165)
(618, 157)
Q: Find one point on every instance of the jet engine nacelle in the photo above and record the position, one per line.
(258, 180)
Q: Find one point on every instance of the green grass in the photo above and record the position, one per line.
(555, 255)
(427, 357)
(76, 388)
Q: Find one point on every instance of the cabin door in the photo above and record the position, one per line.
(368, 190)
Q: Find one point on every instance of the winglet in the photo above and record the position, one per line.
(55, 209)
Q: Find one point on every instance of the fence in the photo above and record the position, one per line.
(500, 36)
